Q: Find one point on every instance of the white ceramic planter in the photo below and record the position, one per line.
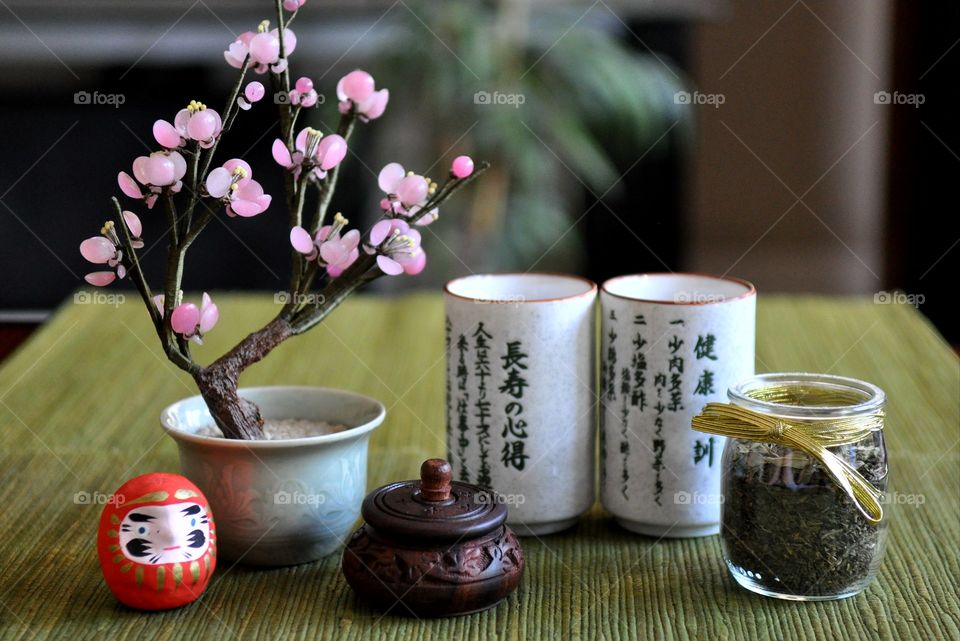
(521, 393)
(671, 343)
(280, 502)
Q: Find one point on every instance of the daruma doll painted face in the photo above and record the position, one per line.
(157, 542)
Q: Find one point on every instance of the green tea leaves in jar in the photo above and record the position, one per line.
(803, 480)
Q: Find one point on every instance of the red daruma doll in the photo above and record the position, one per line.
(157, 542)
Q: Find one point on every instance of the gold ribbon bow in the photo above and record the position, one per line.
(813, 437)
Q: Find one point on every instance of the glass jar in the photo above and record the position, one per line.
(788, 529)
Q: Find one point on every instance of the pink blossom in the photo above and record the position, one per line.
(462, 167)
(253, 92)
(192, 322)
(356, 91)
(233, 184)
(338, 252)
(195, 122)
(237, 52)
(312, 151)
(160, 169)
(101, 251)
(328, 247)
(263, 48)
(293, 5)
(105, 250)
(406, 192)
(303, 93)
(156, 171)
(398, 247)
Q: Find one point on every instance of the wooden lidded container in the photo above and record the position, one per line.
(433, 548)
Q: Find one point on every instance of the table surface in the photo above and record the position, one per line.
(79, 406)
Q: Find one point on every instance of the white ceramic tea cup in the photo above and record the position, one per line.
(670, 344)
(520, 396)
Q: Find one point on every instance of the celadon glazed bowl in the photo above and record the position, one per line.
(281, 502)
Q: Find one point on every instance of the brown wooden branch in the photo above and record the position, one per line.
(449, 188)
(364, 270)
(218, 382)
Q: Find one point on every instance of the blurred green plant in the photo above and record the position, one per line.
(553, 98)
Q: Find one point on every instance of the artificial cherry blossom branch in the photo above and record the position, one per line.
(134, 268)
(450, 188)
(172, 220)
(356, 276)
(171, 292)
(285, 71)
(363, 270)
(302, 277)
(231, 105)
(344, 130)
(311, 161)
(293, 125)
(194, 166)
(296, 215)
(126, 220)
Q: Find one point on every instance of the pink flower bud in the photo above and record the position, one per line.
(254, 91)
(304, 85)
(185, 318)
(462, 167)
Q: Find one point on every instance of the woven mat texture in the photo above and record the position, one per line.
(79, 406)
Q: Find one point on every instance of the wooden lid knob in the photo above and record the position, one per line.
(435, 475)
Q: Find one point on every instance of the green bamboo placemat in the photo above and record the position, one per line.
(79, 405)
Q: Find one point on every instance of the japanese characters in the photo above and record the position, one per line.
(670, 344)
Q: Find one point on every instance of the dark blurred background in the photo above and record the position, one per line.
(806, 146)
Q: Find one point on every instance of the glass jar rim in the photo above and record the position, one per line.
(873, 397)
